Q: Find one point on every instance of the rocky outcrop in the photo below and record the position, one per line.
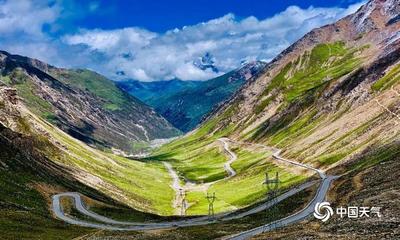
(332, 94)
(80, 112)
(372, 27)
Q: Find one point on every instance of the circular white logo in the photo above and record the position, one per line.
(323, 211)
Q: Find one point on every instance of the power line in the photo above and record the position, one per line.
(271, 198)
(211, 200)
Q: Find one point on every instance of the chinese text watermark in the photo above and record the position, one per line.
(323, 211)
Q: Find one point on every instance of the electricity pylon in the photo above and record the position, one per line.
(211, 199)
(271, 197)
(183, 202)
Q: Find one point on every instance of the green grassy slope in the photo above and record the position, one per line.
(96, 84)
(25, 180)
(301, 82)
(298, 87)
(26, 90)
(189, 154)
(84, 104)
(28, 179)
(145, 186)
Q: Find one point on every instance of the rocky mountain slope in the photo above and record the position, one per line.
(331, 100)
(332, 94)
(45, 144)
(83, 103)
(38, 160)
(185, 103)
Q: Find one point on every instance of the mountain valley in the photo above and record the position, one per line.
(322, 119)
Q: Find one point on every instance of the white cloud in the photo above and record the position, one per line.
(25, 16)
(145, 55)
(171, 55)
(113, 40)
(22, 26)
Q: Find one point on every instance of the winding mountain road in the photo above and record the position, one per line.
(297, 217)
(110, 224)
(232, 156)
(176, 185)
(136, 226)
(181, 190)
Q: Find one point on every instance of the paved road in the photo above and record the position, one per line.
(181, 190)
(307, 211)
(203, 220)
(232, 156)
(109, 224)
(304, 213)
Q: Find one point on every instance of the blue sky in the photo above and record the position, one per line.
(160, 40)
(162, 15)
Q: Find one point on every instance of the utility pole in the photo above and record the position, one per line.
(271, 194)
(211, 199)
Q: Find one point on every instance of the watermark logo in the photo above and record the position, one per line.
(323, 211)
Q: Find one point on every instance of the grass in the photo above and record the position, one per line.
(300, 83)
(297, 128)
(28, 179)
(200, 138)
(332, 158)
(140, 146)
(26, 90)
(325, 62)
(5, 79)
(221, 229)
(144, 184)
(242, 190)
(97, 84)
(24, 209)
(248, 158)
(194, 153)
(379, 155)
(202, 165)
(388, 80)
(247, 188)
(260, 107)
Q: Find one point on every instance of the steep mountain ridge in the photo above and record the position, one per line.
(331, 100)
(83, 103)
(185, 103)
(103, 171)
(330, 96)
(374, 42)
